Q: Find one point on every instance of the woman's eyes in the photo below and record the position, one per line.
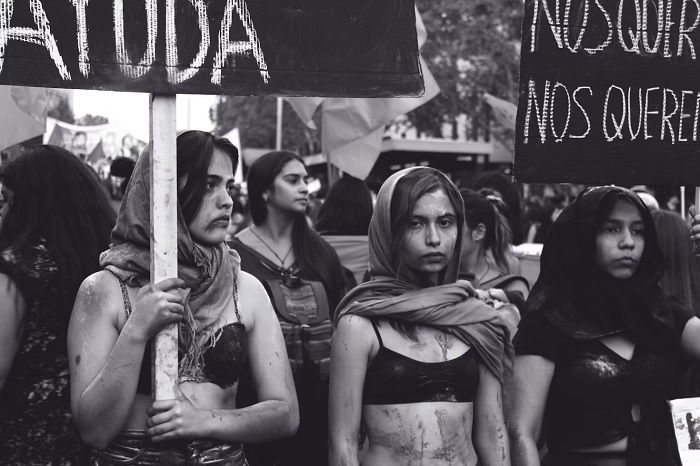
(443, 223)
(617, 229)
(296, 180)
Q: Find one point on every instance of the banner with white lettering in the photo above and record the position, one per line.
(359, 48)
(609, 92)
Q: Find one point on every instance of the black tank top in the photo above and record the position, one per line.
(223, 363)
(393, 378)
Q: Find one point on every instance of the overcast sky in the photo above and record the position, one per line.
(129, 110)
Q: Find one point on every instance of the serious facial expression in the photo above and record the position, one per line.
(430, 238)
(289, 192)
(620, 241)
(208, 227)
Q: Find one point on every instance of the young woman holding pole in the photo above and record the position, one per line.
(225, 323)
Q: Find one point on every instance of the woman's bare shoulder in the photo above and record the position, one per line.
(100, 293)
(252, 297)
(249, 284)
(354, 324)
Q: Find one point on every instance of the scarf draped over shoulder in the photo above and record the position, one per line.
(210, 273)
(451, 305)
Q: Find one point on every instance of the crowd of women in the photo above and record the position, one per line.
(441, 355)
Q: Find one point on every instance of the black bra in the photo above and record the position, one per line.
(223, 363)
(393, 378)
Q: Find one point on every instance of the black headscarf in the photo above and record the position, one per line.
(583, 301)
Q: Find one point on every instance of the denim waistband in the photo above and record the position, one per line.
(134, 447)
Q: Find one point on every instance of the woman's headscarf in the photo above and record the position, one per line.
(450, 305)
(210, 273)
(585, 302)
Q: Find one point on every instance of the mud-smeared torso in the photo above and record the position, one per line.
(413, 431)
(435, 433)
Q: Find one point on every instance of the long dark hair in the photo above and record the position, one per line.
(408, 191)
(480, 209)
(510, 194)
(195, 150)
(316, 258)
(681, 272)
(347, 209)
(57, 199)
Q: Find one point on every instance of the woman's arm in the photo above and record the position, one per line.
(518, 286)
(12, 314)
(276, 415)
(104, 363)
(489, 430)
(350, 351)
(531, 379)
(690, 338)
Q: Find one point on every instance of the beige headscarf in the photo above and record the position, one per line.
(212, 282)
(451, 305)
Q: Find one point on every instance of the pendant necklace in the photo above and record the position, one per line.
(281, 259)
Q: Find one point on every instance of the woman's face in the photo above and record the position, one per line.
(620, 241)
(289, 192)
(472, 239)
(209, 226)
(430, 237)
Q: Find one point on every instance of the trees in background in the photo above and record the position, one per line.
(256, 119)
(472, 48)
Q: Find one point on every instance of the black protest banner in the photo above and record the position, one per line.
(609, 92)
(358, 48)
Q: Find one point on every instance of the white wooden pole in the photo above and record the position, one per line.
(683, 212)
(164, 233)
(696, 245)
(280, 110)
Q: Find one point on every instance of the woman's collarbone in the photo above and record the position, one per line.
(430, 345)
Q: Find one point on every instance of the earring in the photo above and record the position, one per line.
(265, 197)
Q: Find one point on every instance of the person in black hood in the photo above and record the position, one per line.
(601, 346)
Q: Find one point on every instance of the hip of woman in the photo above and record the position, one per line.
(134, 446)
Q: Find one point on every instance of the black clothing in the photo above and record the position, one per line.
(594, 389)
(223, 362)
(597, 397)
(36, 425)
(393, 378)
(309, 446)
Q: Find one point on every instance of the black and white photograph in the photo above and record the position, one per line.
(344, 233)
